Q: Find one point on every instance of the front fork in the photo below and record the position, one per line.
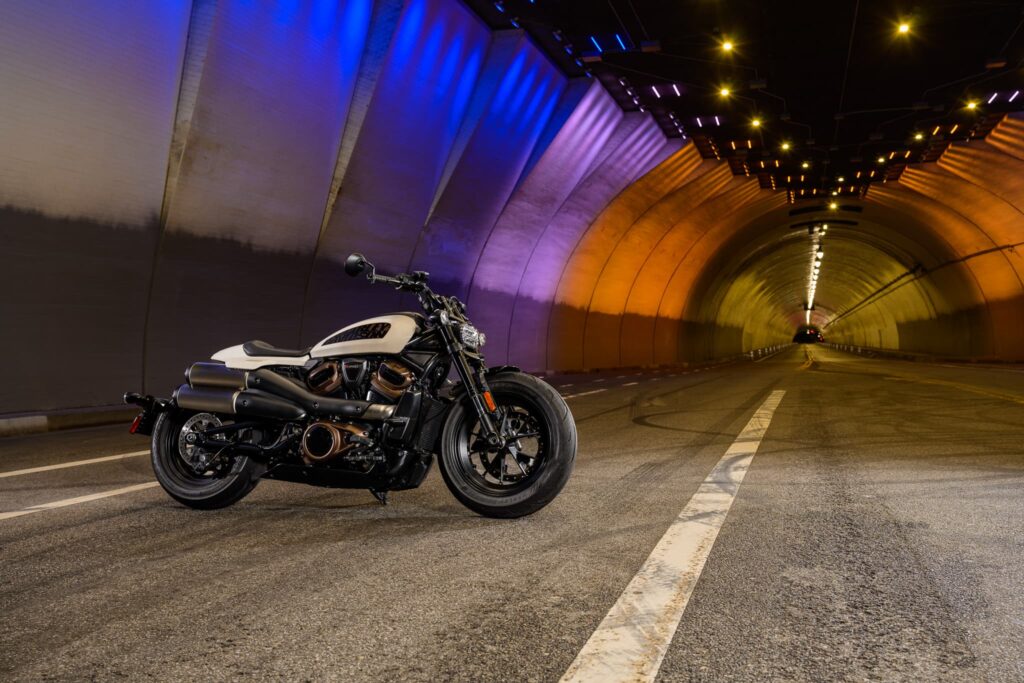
(475, 382)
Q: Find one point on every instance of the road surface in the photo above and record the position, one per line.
(868, 525)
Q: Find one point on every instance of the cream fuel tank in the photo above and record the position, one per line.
(386, 334)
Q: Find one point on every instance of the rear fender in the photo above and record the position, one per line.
(151, 409)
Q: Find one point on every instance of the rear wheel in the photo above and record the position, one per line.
(196, 477)
(525, 473)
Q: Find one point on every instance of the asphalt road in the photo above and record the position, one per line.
(878, 535)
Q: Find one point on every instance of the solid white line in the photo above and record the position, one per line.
(74, 463)
(630, 384)
(631, 642)
(76, 501)
(586, 393)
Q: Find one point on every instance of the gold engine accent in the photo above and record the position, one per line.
(323, 441)
(391, 379)
(324, 378)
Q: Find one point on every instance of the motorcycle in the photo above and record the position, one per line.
(369, 406)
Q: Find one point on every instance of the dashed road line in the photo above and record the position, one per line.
(631, 642)
(630, 384)
(75, 501)
(74, 463)
(585, 393)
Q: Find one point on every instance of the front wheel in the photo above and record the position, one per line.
(195, 477)
(530, 468)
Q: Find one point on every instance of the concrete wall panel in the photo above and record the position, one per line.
(263, 141)
(67, 150)
(632, 150)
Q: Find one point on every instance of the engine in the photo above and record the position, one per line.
(382, 382)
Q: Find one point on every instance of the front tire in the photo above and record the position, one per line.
(172, 467)
(503, 482)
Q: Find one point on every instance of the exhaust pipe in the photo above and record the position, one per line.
(215, 375)
(215, 388)
(272, 383)
(247, 402)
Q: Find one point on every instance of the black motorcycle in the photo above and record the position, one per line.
(367, 407)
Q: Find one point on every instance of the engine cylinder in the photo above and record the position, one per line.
(391, 379)
(325, 378)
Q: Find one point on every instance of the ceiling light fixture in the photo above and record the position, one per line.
(785, 146)
(919, 136)
(972, 105)
(756, 123)
(903, 28)
(806, 164)
(727, 45)
(833, 205)
(724, 92)
(880, 160)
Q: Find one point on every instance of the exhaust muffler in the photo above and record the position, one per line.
(238, 402)
(213, 387)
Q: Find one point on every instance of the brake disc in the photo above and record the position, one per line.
(195, 457)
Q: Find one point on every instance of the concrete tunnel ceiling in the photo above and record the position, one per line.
(571, 169)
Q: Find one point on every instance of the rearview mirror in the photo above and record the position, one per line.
(355, 264)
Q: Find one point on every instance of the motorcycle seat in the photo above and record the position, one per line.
(259, 348)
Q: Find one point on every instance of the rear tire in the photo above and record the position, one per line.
(200, 491)
(537, 473)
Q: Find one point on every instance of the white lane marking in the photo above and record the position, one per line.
(599, 380)
(980, 367)
(655, 379)
(567, 384)
(620, 377)
(74, 463)
(630, 384)
(586, 393)
(631, 642)
(76, 501)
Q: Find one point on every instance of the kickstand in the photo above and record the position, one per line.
(381, 496)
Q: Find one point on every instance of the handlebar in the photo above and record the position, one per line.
(409, 282)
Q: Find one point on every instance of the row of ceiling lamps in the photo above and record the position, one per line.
(817, 254)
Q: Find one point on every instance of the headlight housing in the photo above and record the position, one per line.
(471, 337)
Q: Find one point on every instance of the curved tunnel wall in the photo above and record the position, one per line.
(187, 175)
(212, 192)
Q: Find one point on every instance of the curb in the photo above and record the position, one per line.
(35, 423)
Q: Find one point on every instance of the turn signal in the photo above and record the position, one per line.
(489, 400)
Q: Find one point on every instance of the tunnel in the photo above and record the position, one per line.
(641, 207)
